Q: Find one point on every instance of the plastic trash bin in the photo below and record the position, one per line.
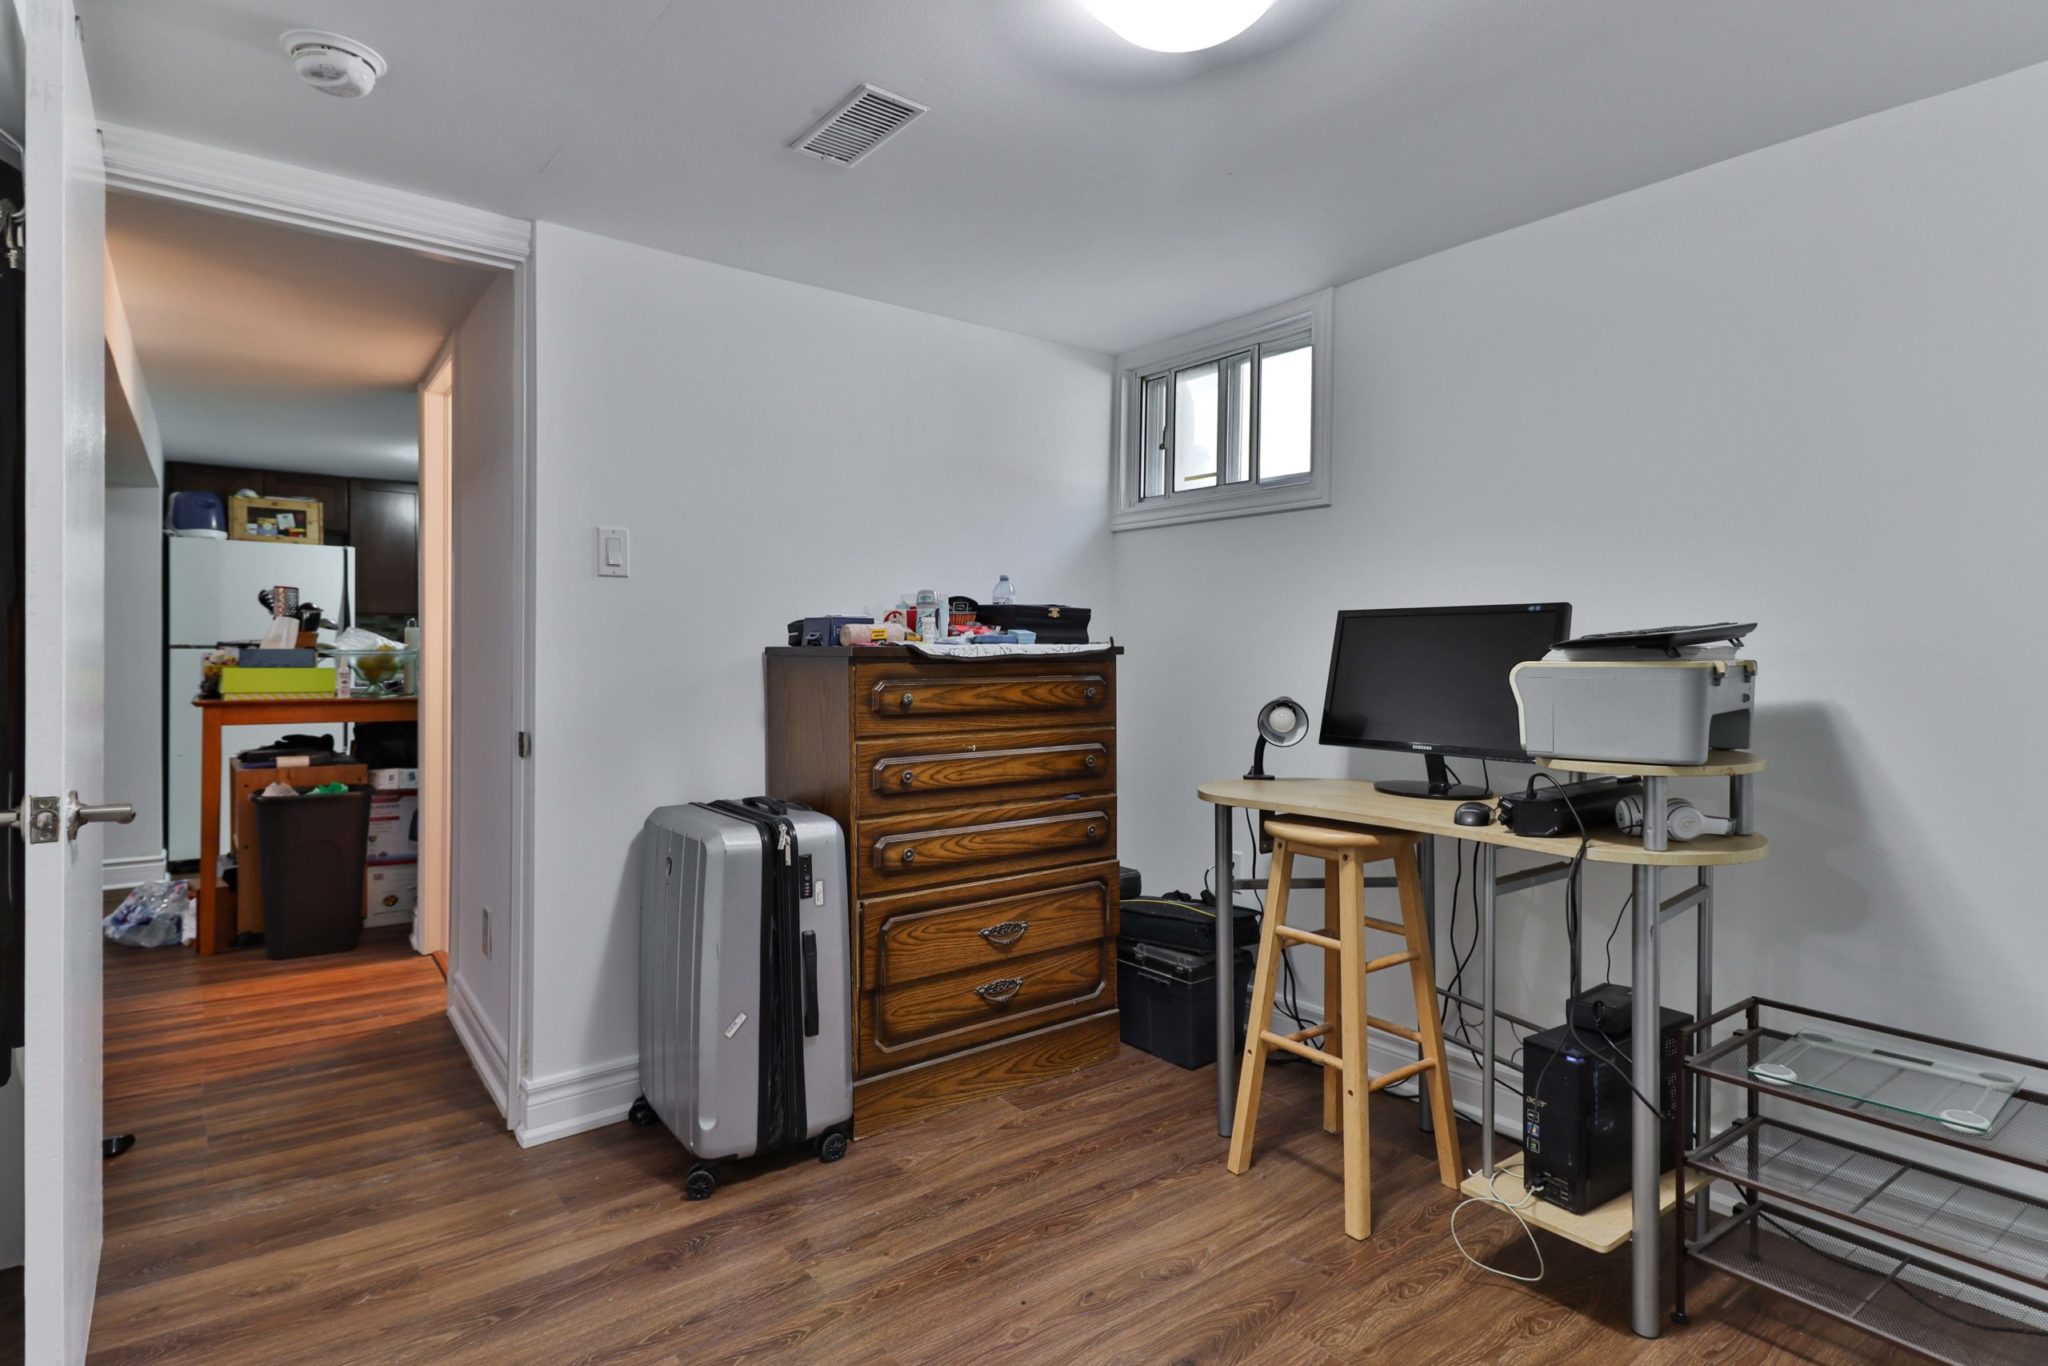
(313, 854)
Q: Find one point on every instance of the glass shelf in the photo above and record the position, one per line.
(1962, 1097)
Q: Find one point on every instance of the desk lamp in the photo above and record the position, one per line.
(1282, 722)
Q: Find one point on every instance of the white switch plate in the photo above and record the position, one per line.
(614, 552)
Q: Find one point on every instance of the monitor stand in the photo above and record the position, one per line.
(1438, 785)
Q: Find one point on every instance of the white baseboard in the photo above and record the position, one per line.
(134, 870)
(486, 1048)
(574, 1102)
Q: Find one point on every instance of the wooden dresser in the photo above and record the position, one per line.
(979, 801)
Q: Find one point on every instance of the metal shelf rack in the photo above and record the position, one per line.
(1875, 1219)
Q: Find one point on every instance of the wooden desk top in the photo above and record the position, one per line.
(1343, 799)
(1721, 763)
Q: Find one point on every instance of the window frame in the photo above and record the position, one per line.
(1130, 510)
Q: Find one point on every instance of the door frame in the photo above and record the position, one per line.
(430, 925)
(154, 164)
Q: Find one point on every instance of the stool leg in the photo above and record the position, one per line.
(1251, 1075)
(1357, 1155)
(1333, 1002)
(1436, 1080)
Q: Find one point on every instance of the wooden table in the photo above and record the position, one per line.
(215, 931)
(1647, 856)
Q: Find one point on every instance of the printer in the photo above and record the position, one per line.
(1663, 697)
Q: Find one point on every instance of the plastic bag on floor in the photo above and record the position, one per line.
(151, 916)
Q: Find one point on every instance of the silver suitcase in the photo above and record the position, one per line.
(746, 1014)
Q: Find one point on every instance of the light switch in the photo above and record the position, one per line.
(614, 552)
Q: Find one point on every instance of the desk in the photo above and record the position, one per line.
(261, 709)
(1648, 856)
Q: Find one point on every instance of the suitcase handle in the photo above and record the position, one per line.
(999, 992)
(1005, 934)
(810, 984)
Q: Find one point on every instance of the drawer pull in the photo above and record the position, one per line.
(909, 776)
(1088, 693)
(905, 701)
(1000, 991)
(910, 854)
(1005, 934)
(1094, 832)
(1090, 762)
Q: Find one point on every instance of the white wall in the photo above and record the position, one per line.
(485, 605)
(1806, 387)
(135, 686)
(775, 450)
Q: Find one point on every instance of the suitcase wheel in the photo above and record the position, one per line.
(831, 1145)
(642, 1113)
(699, 1184)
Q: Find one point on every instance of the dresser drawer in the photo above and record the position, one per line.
(908, 773)
(908, 1023)
(983, 926)
(901, 699)
(918, 848)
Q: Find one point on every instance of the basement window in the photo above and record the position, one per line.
(1226, 422)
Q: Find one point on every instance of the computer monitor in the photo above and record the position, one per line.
(1434, 681)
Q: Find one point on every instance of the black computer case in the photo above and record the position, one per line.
(1576, 1120)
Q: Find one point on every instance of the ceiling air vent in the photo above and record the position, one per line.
(867, 120)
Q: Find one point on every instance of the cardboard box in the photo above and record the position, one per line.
(394, 827)
(245, 783)
(391, 892)
(395, 779)
(315, 682)
(292, 520)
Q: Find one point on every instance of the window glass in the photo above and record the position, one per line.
(1154, 437)
(1285, 385)
(1195, 427)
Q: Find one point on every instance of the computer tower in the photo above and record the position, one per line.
(1576, 1117)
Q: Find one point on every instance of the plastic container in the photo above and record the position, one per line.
(313, 848)
(1166, 1000)
(1004, 593)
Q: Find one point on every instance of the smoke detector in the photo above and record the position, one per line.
(332, 64)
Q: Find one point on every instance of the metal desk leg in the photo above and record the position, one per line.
(1487, 855)
(1226, 974)
(1425, 851)
(1646, 1152)
(1703, 999)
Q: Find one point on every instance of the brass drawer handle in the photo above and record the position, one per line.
(910, 855)
(1000, 991)
(909, 776)
(1090, 762)
(1094, 832)
(1005, 934)
(1088, 694)
(905, 701)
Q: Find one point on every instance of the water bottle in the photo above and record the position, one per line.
(1005, 592)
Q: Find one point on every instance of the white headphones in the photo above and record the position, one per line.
(1682, 819)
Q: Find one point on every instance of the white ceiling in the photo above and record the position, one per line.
(268, 347)
(1065, 184)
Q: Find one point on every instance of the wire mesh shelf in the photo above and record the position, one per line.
(1902, 1300)
(2000, 1230)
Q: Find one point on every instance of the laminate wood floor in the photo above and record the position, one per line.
(320, 1177)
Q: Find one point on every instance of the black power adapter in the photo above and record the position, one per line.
(1604, 1009)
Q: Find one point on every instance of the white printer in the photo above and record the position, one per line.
(1665, 697)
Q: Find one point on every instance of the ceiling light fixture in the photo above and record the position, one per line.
(1177, 25)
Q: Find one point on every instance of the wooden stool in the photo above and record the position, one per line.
(1344, 850)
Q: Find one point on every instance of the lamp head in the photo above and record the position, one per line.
(1282, 722)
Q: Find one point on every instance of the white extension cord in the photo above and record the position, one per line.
(1493, 1197)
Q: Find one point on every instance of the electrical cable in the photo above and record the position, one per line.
(1494, 1197)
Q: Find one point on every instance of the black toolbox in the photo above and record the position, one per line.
(1166, 999)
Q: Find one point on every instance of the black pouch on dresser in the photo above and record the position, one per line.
(1053, 624)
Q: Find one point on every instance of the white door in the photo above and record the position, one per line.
(64, 486)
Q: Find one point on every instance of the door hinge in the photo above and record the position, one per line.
(525, 745)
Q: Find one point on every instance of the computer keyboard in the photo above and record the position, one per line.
(1663, 637)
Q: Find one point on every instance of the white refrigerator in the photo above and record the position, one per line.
(210, 589)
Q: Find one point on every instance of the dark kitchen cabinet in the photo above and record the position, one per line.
(330, 493)
(384, 527)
